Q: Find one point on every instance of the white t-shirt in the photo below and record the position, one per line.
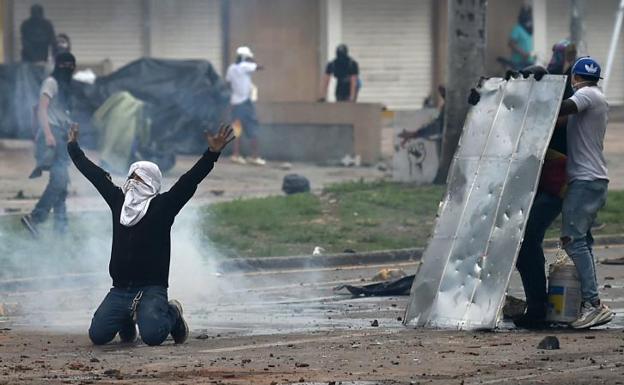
(57, 115)
(239, 77)
(586, 132)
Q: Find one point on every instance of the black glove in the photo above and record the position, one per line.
(511, 74)
(474, 97)
(538, 72)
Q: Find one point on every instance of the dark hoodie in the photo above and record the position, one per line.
(37, 36)
(343, 67)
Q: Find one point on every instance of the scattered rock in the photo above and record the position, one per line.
(94, 360)
(513, 307)
(388, 274)
(590, 337)
(375, 323)
(607, 286)
(609, 278)
(318, 250)
(613, 261)
(549, 343)
(202, 336)
(294, 183)
(217, 193)
(112, 372)
(301, 365)
(351, 161)
(285, 166)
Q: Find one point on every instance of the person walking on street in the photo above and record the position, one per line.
(54, 121)
(586, 169)
(243, 109)
(37, 36)
(140, 255)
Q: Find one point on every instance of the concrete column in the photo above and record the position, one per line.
(540, 36)
(331, 30)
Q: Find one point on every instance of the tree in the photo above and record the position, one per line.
(466, 64)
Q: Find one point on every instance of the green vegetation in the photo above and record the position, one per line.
(358, 216)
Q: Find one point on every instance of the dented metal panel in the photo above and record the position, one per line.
(492, 182)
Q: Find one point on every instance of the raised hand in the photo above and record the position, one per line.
(216, 143)
(74, 131)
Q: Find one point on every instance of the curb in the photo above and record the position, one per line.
(355, 259)
(324, 261)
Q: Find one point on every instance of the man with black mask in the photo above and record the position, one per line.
(346, 72)
(53, 116)
(37, 36)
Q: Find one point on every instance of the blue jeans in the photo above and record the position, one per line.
(246, 113)
(55, 193)
(149, 304)
(580, 207)
(546, 207)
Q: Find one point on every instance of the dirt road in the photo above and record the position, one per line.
(282, 327)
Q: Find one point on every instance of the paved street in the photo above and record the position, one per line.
(284, 326)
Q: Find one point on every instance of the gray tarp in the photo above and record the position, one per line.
(466, 267)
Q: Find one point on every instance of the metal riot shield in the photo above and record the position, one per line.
(466, 267)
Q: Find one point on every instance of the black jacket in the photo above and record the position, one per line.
(141, 253)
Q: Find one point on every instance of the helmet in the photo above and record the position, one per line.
(245, 52)
(586, 66)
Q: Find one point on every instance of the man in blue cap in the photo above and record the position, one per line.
(586, 169)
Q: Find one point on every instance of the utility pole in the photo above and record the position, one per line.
(577, 25)
(465, 65)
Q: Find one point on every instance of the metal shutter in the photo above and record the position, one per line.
(98, 30)
(187, 29)
(600, 18)
(391, 41)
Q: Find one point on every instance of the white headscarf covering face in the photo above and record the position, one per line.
(138, 195)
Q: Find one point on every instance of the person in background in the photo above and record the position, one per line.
(62, 44)
(548, 199)
(243, 109)
(521, 40)
(54, 121)
(346, 71)
(141, 249)
(37, 36)
(432, 130)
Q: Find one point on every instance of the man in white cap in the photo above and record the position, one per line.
(243, 110)
(140, 255)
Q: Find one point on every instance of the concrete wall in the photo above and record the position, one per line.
(319, 132)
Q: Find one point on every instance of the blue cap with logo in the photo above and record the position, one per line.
(586, 66)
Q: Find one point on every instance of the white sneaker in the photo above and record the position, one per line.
(257, 161)
(592, 316)
(238, 159)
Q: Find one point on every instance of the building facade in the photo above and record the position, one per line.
(400, 45)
